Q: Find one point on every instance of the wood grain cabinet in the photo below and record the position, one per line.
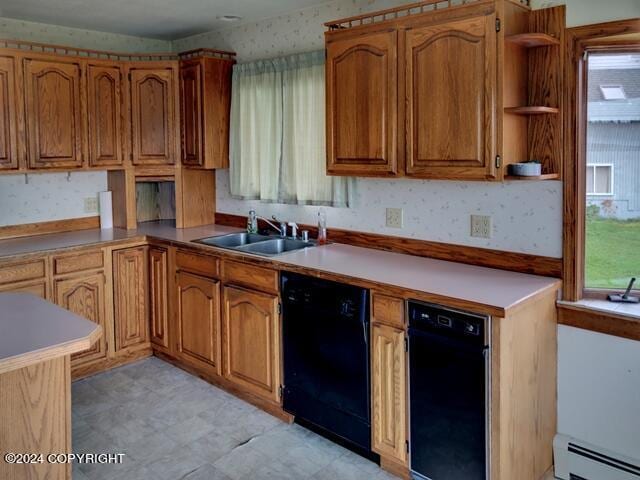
(205, 102)
(84, 295)
(104, 112)
(198, 320)
(54, 113)
(159, 296)
(362, 105)
(130, 281)
(251, 331)
(450, 98)
(389, 392)
(153, 115)
(8, 114)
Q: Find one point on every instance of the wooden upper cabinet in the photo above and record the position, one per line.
(198, 320)
(450, 98)
(8, 115)
(362, 105)
(159, 296)
(205, 102)
(191, 113)
(153, 116)
(54, 113)
(251, 326)
(84, 295)
(104, 107)
(130, 296)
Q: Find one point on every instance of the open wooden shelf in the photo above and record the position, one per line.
(531, 110)
(546, 176)
(532, 40)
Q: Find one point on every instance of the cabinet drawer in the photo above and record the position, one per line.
(23, 270)
(387, 310)
(251, 276)
(197, 263)
(78, 262)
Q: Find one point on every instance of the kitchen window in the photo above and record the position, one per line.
(277, 138)
(600, 180)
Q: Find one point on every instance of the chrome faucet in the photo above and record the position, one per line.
(282, 230)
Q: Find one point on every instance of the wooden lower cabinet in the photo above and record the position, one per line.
(251, 332)
(158, 296)
(84, 295)
(130, 281)
(389, 392)
(198, 320)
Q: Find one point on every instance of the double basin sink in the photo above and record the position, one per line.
(264, 245)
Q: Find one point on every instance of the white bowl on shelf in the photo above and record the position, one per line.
(528, 169)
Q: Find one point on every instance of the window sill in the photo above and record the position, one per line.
(618, 319)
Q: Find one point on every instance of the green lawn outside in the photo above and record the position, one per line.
(612, 252)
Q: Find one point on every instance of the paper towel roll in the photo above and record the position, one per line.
(106, 210)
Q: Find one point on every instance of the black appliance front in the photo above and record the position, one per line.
(325, 331)
(448, 356)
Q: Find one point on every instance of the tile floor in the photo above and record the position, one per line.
(174, 426)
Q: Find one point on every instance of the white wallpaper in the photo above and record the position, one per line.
(47, 196)
(527, 217)
(50, 196)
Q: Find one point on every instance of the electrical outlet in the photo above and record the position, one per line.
(91, 205)
(480, 226)
(394, 218)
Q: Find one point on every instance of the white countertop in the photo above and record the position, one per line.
(33, 330)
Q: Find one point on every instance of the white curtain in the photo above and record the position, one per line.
(277, 138)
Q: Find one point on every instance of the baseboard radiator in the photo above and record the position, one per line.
(578, 460)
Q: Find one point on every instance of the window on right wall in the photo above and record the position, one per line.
(612, 224)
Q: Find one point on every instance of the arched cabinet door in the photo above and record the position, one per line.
(198, 320)
(84, 296)
(450, 97)
(251, 326)
(153, 121)
(104, 88)
(54, 113)
(8, 118)
(191, 113)
(362, 105)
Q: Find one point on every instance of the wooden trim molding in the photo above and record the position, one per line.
(578, 40)
(43, 228)
(609, 323)
(515, 262)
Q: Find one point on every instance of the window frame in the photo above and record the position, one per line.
(595, 167)
(579, 41)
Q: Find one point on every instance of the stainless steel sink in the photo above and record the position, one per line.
(234, 240)
(274, 247)
(265, 245)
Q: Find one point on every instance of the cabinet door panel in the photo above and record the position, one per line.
(104, 88)
(252, 341)
(191, 119)
(85, 297)
(389, 403)
(8, 118)
(130, 298)
(450, 89)
(361, 81)
(54, 113)
(159, 307)
(199, 319)
(153, 116)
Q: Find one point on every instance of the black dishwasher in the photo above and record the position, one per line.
(325, 331)
(449, 377)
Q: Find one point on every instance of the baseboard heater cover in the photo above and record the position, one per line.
(578, 460)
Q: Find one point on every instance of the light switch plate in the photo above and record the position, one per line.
(91, 205)
(481, 226)
(394, 218)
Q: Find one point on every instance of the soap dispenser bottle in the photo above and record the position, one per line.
(252, 222)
